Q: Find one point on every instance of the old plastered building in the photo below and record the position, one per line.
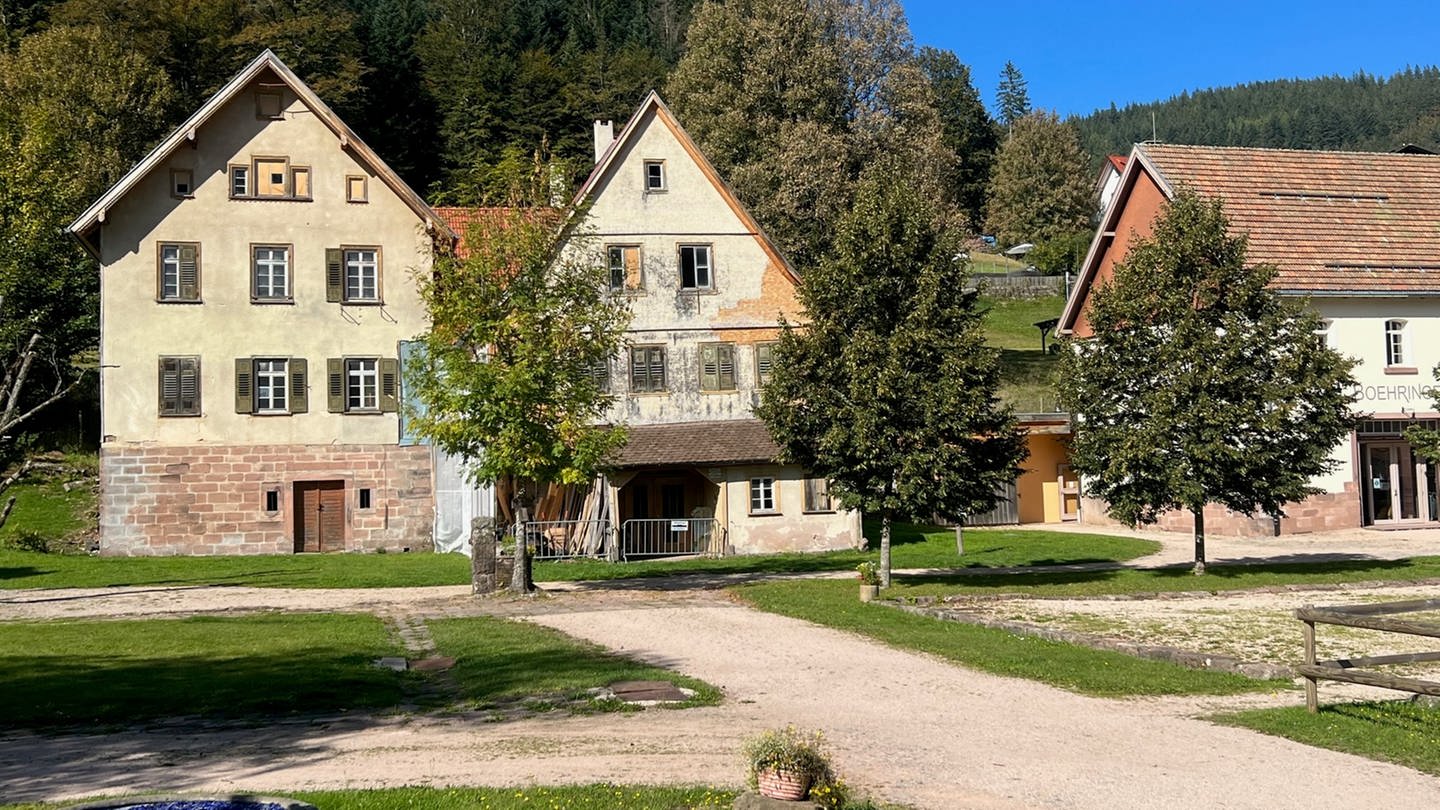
(1357, 234)
(707, 290)
(255, 292)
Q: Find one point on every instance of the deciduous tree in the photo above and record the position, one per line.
(1040, 185)
(888, 391)
(517, 328)
(1201, 385)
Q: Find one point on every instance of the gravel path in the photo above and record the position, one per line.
(905, 726)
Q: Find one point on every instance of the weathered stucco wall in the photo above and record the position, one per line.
(137, 330)
(789, 529)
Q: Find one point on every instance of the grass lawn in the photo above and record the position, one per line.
(1080, 669)
(498, 660)
(69, 673)
(912, 546)
(1217, 578)
(1027, 375)
(1393, 731)
(1010, 322)
(23, 569)
(262, 667)
(584, 797)
(43, 509)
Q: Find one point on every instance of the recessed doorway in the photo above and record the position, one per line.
(319, 516)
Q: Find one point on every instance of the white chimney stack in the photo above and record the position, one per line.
(604, 136)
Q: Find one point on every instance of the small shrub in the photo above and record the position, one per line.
(799, 752)
(30, 541)
(869, 573)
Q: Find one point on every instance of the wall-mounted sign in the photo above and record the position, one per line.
(1420, 394)
(679, 525)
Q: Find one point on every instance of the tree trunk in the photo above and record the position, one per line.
(520, 580)
(960, 537)
(1199, 539)
(885, 549)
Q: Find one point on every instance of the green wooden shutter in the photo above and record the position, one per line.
(657, 368)
(709, 367)
(637, 369)
(334, 274)
(189, 372)
(335, 389)
(389, 384)
(244, 385)
(169, 385)
(299, 386)
(725, 356)
(764, 361)
(190, 272)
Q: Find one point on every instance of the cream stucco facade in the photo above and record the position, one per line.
(256, 285)
(652, 201)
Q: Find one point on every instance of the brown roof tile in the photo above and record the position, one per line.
(1332, 222)
(739, 441)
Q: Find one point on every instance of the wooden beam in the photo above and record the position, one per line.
(1381, 608)
(1380, 660)
(1367, 678)
(1328, 616)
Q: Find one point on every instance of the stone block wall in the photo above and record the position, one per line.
(160, 501)
(1318, 513)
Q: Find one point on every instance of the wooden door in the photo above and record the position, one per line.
(319, 516)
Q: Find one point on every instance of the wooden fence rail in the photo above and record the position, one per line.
(1357, 670)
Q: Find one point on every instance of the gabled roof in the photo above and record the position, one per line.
(1333, 223)
(267, 61)
(606, 163)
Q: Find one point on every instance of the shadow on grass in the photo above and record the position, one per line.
(20, 572)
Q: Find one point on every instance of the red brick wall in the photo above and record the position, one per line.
(157, 501)
(1318, 513)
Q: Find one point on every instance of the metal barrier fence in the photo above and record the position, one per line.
(559, 539)
(665, 537)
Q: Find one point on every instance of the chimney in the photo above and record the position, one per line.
(604, 136)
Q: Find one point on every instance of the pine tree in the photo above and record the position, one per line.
(1012, 97)
(889, 390)
(969, 131)
(1201, 384)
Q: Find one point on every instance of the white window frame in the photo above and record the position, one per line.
(270, 291)
(357, 267)
(658, 176)
(708, 266)
(1397, 342)
(762, 496)
(362, 384)
(170, 270)
(239, 181)
(271, 379)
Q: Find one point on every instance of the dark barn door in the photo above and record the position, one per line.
(319, 516)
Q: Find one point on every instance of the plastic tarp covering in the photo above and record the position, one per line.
(457, 503)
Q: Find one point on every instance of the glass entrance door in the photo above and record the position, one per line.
(1398, 485)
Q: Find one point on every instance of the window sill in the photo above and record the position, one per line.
(271, 413)
(264, 301)
(767, 514)
(1401, 370)
(361, 302)
(820, 512)
(179, 300)
(649, 393)
(697, 291)
(271, 197)
(364, 412)
(195, 415)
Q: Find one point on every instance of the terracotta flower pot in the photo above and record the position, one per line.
(783, 785)
(869, 592)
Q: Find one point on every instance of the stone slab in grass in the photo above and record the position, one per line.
(649, 692)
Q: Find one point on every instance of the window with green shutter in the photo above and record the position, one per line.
(764, 362)
(177, 272)
(179, 386)
(717, 367)
(647, 369)
(271, 386)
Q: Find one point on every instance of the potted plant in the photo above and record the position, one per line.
(785, 763)
(869, 580)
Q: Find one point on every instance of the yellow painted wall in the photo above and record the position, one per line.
(1047, 451)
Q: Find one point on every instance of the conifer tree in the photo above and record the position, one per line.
(1201, 384)
(889, 390)
(1012, 97)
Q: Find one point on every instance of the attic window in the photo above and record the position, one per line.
(654, 175)
(355, 189)
(267, 104)
(182, 183)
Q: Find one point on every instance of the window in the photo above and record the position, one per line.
(764, 362)
(178, 276)
(364, 384)
(1395, 343)
(599, 373)
(817, 496)
(355, 189)
(1323, 330)
(271, 385)
(268, 104)
(239, 181)
(647, 369)
(270, 272)
(654, 175)
(353, 275)
(762, 496)
(270, 174)
(182, 183)
(624, 261)
(179, 386)
(364, 498)
(695, 267)
(272, 499)
(300, 182)
(717, 367)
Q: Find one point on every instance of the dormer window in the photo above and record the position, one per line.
(654, 175)
(182, 183)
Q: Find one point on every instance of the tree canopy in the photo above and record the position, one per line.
(1012, 96)
(1201, 385)
(1039, 187)
(888, 390)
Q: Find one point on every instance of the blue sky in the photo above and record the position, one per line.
(1080, 55)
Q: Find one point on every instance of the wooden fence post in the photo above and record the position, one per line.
(1312, 692)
